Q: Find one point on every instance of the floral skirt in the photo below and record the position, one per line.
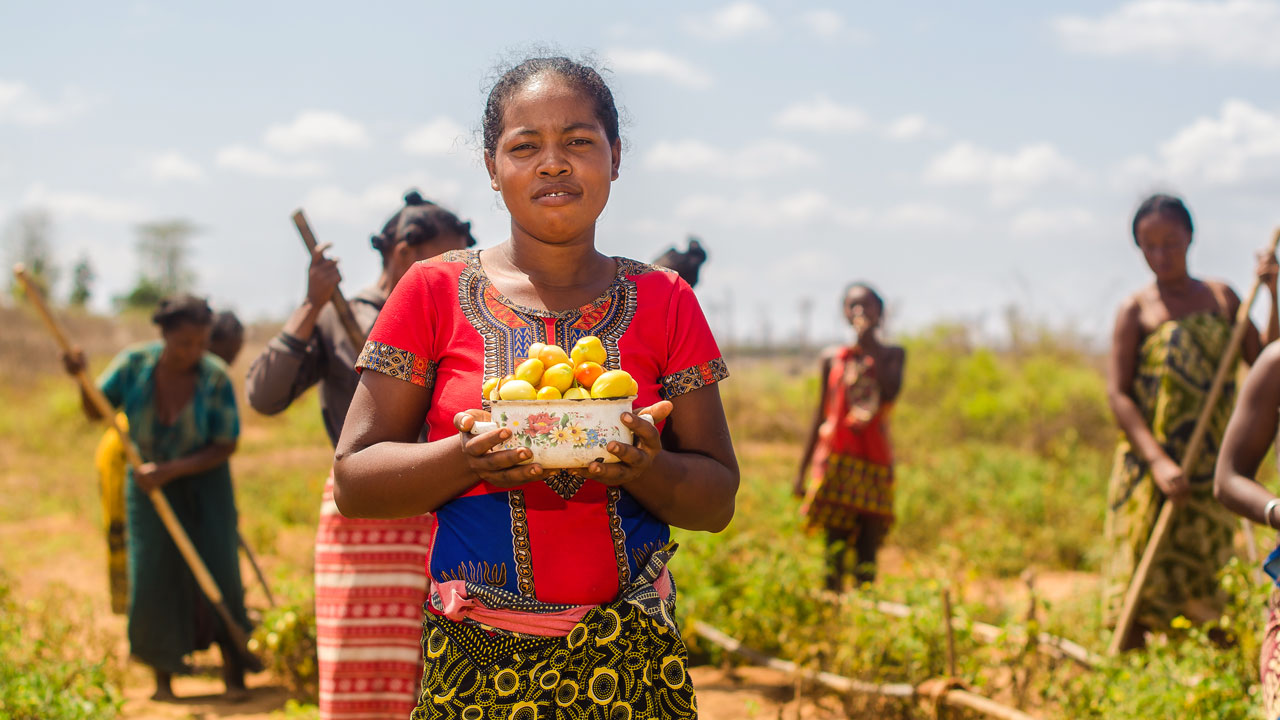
(618, 663)
(1270, 660)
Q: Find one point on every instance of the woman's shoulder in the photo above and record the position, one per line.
(634, 268)
(214, 369)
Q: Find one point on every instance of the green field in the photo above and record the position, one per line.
(1003, 459)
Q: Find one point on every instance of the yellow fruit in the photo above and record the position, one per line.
(558, 376)
(552, 355)
(517, 390)
(535, 350)
(486, 390)
(576, 393)
(547, 392)
(614, 384)
(588, 349)
(530, 371)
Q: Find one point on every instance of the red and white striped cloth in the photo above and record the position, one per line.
(371, 583)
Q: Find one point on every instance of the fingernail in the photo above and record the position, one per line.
(506, 434)
(628, 417)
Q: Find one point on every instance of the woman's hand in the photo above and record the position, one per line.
(322, 277)
(502, 468)
(799, 487)
(1267, 269)
(1169, 478)
(152, 476)
(633, 460)
(74, 362)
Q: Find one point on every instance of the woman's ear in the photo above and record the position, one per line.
(491, 166)
(615, 150)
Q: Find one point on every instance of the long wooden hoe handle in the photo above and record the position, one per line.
(348, 319)
(1195, 444)
(180, 538)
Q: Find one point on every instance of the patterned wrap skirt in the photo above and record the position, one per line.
(622, 661)
(1270, 660)
(371, 584)
(846, 493)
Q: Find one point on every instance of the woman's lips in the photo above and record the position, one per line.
(556, 198)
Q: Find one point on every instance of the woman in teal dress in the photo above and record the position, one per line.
(182, 416)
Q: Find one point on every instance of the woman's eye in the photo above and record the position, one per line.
(580, 141)
(521, 147)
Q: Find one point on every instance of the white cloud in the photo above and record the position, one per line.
(731, 21)
(20, 105)
(1009, 176)
(172, 165)
(1241, 144)
(912, 127)
(1238, 32)
(823, 23)
(754, 209)
(313, 129)
(442, 136)
(255, 162)
(658, 64)
(84, 205)
(756, 159)
(918, 216)
(1040, 222)
(375, 203)
(822, 114)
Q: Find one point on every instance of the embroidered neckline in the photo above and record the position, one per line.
(625, 267)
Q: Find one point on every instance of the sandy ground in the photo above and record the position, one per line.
(66, 554)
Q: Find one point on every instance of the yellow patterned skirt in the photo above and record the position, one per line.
(618, 663)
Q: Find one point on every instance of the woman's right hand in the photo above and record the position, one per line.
(74, 361)
(798, 488)
(1169, 478)
(322, 277)
(501, 469)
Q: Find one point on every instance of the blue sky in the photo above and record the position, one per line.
(962, 157)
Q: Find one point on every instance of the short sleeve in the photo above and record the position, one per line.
(693, 358)
(114, 382)
(402, 341)
(223, 418)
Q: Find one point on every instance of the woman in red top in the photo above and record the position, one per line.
(850, 492)
(549, 590)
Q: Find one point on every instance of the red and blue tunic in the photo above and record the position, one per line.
(569, 540)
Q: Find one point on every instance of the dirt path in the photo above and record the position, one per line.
(65, 554)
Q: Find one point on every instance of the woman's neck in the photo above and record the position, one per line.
(1175, 286)
(869, 340)
(557, 266)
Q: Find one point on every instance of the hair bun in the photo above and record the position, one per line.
(376, 242)
(413, 197)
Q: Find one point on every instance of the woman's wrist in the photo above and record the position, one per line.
(1268, 512)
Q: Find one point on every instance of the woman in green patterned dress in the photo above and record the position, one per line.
(182, 416)
(1169, 339)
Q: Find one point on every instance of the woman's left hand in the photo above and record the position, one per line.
(1267, 269)
(633, 460)
(152, 476)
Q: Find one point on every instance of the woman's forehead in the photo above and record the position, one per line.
(549, 103)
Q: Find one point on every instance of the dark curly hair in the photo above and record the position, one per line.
(419, 221)
(175, 311)
(580, 75)
(1167, 205)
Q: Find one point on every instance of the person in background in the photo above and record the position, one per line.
(849, 493)
(370, 575)
(1169, 339)
(225, 341)
(182, 416)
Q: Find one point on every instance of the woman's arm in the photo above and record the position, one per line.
(688, 477)
(381, 471)
(891, 379)
(157, 475)
(1121, 368)
(1249, 434)
(811, 442)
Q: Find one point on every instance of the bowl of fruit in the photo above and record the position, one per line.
(564, 407)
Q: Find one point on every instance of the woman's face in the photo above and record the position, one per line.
(553, 162)
(861, 310)
(404, 255)
(1164, 242)
(185, 344)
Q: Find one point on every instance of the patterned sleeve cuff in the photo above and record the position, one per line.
(401, 364)
(692, 378)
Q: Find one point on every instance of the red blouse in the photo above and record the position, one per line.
(445, 327)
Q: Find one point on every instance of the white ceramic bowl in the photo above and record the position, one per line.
(561, 433)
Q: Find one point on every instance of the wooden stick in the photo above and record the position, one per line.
(951, 633)
(253, 562)
(1139, 580)
(348, 319)
(180, 538)
(932, 688)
